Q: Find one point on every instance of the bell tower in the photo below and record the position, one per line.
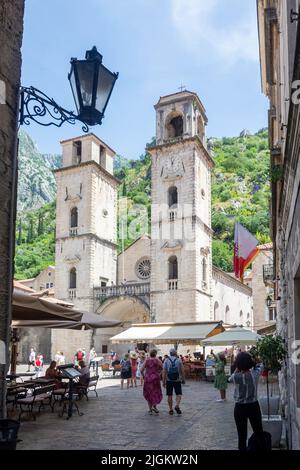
(86, 220)
(181, 234)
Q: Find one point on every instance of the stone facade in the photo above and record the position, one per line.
(181, 220)
(11, 31)
(133, 262)
(44, 280)
(279, 40)
(232, 300)
(86, 218)
(262, 288)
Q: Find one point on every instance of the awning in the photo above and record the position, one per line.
(233, 336)
(29, 311)
(166, 333)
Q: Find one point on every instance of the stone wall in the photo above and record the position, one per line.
(232, 300)
(128, 259)
(11, 31)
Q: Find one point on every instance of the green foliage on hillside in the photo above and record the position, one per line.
(240, 192)
(35, 241)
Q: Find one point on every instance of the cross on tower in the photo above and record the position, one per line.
(182, 87)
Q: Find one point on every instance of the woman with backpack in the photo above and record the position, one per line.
(151, 371)
(125, 370)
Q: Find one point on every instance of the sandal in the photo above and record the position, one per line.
(171, 412)
(155, 410)
(150, 412)
(178, 410)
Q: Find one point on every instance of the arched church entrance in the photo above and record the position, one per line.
(129, 310)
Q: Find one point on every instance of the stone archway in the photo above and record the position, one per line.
(128, 309)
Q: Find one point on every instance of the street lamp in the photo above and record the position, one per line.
(91, 85)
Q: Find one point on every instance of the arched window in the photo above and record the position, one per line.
(227, 313)
(172, 196)
(173, 267)
(174, 125)
(216, 311)
(74, 217)
(73, 275)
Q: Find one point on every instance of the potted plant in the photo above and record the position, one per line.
(272, 352)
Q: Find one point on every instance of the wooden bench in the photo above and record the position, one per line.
(39, 396)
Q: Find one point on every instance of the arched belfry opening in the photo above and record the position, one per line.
(174, 125)
(74, 217)
(73, 279)
(173, 197)
(173, 267)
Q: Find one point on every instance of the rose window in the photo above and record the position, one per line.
(143, 268)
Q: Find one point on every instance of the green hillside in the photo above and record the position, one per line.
(240, 192)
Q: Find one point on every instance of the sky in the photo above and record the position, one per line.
(209, 46)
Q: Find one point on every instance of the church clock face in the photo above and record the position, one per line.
(174, 165)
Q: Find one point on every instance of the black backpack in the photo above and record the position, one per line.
(261, 441)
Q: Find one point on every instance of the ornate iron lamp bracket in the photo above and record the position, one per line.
(38, 107)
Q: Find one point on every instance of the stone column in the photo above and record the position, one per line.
(11, 31)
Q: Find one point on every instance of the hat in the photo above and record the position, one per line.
(173, 352)
(133, 355)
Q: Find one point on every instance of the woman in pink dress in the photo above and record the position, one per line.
(151, 371)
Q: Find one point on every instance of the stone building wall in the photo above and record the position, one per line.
(232, 300)
(260, 290)
(11, 31)
(128, 259)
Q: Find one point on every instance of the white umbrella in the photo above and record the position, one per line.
(233, 336)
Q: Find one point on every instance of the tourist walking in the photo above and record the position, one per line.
(220, 377)
(141, 360)
(245, 379)
(173, 377)
(92, 356)
(62, 359)
(125, 370)
(150, 371)
(31, 359)
(38, 365)
(133, 362)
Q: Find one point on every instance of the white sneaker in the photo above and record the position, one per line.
(220, 399)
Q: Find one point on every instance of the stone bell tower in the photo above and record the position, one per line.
(86, 221)
(181, 234)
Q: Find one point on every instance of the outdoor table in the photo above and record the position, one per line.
(43, 381)
(12, 377)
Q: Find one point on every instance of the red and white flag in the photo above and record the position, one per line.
(245, 250)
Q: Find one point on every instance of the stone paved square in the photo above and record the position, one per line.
(118, 419)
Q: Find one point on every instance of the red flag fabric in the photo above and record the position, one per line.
(245, 250)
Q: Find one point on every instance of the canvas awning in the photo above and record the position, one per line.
(233, 336)
(29, 311)
(168, 333)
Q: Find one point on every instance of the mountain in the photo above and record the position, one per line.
(36, 182)
(240, 192)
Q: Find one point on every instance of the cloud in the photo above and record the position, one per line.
(199, 27)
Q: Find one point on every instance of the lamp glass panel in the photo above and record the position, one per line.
(86, 77)
(105, 83)
(74, 89)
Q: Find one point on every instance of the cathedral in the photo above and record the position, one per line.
(166, 275)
